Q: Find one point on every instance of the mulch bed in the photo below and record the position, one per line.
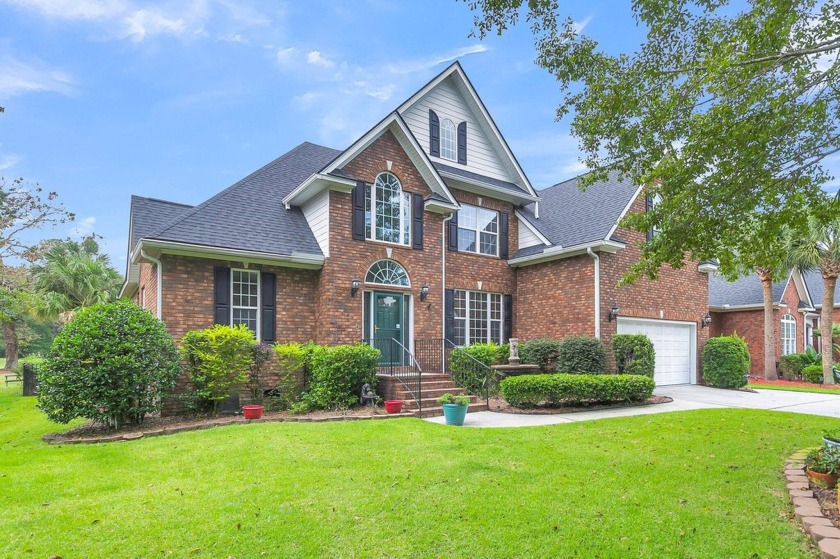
(781, 382)
(828, 502)
(499, 405)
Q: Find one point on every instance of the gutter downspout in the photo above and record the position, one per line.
(443, 249)
(597, 261)
(159, 267)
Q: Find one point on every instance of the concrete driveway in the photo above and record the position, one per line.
(686, 397)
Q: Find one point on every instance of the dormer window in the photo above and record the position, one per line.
(448, 142)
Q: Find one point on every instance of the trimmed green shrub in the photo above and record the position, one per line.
(218, 361)
(726, 362)
(791, 365)
(813, 373)
(580, 355)
(541, 351)
(634, 354)
(467, 365)
(112, 363)
(293, 365)
(338, 374)
(557, 389)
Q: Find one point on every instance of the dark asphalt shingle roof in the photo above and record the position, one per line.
(469, 175)
(249, 215)
(815, 285)
(571, 217)
(150, 214)
(745, 290)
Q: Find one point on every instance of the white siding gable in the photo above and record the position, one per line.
(448, 102)
(317, 214)
(527, 237)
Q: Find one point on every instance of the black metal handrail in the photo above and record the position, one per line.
(398, 362)
(475, 377)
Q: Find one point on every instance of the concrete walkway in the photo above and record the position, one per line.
(686, 397)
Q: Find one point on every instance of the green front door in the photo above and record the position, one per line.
(388, 325)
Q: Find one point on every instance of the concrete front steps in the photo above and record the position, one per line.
(433, 386)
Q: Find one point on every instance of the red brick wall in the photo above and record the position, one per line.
(556, 299)
(147, 284)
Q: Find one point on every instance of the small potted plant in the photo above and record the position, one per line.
(822, 466)
(454, 408)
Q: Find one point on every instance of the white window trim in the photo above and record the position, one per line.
(478, 232)
(454, 139)
(388, 285)
(788, 326)
(259, 298)
(405, 213)
(467, 338)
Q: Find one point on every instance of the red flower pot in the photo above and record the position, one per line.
(393, 406)
(253, 412)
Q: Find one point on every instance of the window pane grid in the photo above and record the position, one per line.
(478, 317)
(478, 230)
(447, 140)
(245, 298)
(788, 335)
(387, 211)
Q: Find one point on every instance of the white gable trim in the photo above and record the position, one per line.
(802, 287)
(623, 213)
(314, 185)
(523, 220)
(475, 103)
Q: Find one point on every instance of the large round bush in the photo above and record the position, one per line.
(541, 351)
(726, 362)
(581, 354)
(634, 354)
(113, 363)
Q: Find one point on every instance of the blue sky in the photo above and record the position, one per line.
(178, 100)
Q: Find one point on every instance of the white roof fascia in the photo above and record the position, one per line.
(294, 260)
(732, 308)
(508, 194)
(316, 183)
(531, 228)
(475, 103)
(556, 253)
(437, 206)
(623, 213)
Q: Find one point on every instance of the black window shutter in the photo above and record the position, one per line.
(452, 243)
(434, 134)
(359, 211)
(417, 221)
(449, 314)
(507, 310)
(221, 295)
(268, 290)
(648, 207)
(503, 235)
(462, 143)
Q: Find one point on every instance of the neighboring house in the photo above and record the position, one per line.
(737, 307)
(425, 228)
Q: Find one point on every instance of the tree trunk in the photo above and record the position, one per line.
(827, 349)
(769, 342)
(10, 339)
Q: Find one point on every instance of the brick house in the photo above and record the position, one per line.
(738, 308)
(425, 228)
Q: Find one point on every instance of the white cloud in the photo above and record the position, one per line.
(424, 64)
(145, 23)
(286, 56)
(317, 59)
(83, 227)
(235, 38)
(579, 26)
(17, 78)
(9, 160)
(89, 10)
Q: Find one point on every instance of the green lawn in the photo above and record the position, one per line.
(695, 484)
(817, 389)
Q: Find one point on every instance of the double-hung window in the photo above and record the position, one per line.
(788, 335)
(478, 317)
(478, 230)
(245, 304)
(388, 211)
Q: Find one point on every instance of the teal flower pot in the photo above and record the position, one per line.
(454, 414)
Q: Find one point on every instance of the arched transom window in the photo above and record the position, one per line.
(788, 334)
(448, 143)
(388, 211)
(387, 272)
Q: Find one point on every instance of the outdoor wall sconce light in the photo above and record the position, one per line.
(613, 313)
(706, 320)
(354, 286)
(424, 291)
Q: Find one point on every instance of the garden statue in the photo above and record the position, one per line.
(514, 351)
(368, 395)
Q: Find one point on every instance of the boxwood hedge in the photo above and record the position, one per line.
(527, 391)
(726, 362)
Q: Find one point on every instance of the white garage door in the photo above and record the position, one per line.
(673, 343)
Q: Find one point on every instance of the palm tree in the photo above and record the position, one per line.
(765, 276)
(74, 275)
(819, 249)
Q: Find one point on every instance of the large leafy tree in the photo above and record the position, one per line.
(727, 111)
(819, 249)
(72, 275)
(24, 208)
